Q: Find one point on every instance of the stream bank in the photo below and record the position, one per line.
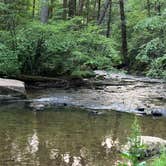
(107, 91)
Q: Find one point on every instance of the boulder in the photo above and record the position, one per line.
(152, 146)
(11, 89)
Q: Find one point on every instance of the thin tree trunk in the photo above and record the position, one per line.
(123, 30)
(44, 11)
(64, 9)
(72, 8)
(103, 11)
(33, 8)
(158, 7)
(148, 8)
(87, 11)
(98, 11)
(80, 7)
(51, 9)
(109, 20)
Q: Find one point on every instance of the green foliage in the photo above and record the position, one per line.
(9, 64)
(158, 68)
(161, 161)
(135, 151)
(151, 50)
(67, 48)
(148, 46)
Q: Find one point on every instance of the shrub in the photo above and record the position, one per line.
(64, 49)
(135, 151)
(9, 64)
(158, 68)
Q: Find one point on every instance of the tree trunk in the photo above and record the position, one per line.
(51, 9)
(44, 11)
(33, 8)
(72, 8)
(148, 8)
(103, 11)
(123, 30)
(87, 11)
(64, 9)
(80, 7)
(109, 20)
(98, 11)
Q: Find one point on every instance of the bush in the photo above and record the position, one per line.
(9, 64)
(148, 46)
(136, 149)
(64, 49)
(158, 68)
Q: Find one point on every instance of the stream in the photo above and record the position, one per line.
(78, 126)
(66, 136)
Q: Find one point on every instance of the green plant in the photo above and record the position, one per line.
(161, 161)
(135, 150)
(64, 49)
(9, 64)
(158, 68)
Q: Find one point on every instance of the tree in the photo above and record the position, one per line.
(44, 11)
(33, 8)
(123, 30)
(109, 20)
(103, 11)
(80, 7)
(72, 8)
(64, 9)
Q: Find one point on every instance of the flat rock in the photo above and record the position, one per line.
(11, 89)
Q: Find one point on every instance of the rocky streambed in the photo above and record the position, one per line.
(108, 91)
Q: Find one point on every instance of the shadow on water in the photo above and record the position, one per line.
(66, 136)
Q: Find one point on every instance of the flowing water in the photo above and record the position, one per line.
(65, 136)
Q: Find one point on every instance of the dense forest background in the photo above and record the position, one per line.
(74, 37)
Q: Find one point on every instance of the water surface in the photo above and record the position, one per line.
(65, 136)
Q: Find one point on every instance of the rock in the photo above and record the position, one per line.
(141, 109)
(11, 89)
(153, 145)
(95, 113)
(37, 106)
(157, 113)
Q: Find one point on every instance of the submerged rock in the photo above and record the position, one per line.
(11, 89)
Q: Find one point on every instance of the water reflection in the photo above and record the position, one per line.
(66, 137)
(33, 143)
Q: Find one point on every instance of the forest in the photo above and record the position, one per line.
(74, 37)
(83, 82)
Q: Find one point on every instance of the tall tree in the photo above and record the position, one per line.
(123, 30)
(148, 7)
(64, 9)
(80, 7)
(98, 10)
(51, 9)
(72, 8)
(44, 11)
(103, 11)
(33, 8)
(87, 10)
(109, 20)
